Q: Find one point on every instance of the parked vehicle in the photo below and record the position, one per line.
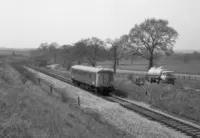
(95, 78)
(140, 81)
(159, 74)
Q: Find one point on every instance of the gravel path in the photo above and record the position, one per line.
(114, 114)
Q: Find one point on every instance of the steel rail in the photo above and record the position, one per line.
(176, 124)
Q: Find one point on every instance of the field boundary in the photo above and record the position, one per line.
(177, 76)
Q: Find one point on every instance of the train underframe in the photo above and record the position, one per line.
(99, 90)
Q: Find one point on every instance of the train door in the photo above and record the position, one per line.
(105, 78)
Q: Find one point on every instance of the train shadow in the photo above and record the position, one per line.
(93, 91)
(119, 93)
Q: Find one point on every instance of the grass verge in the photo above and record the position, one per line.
(27, 111)
(181, 99)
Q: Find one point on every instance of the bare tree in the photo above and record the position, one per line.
(44, 47)
(52, 48)
(66, 54)
(116, 50)
(66, 47)
(77, 52)
(149, 37)
(92, 46)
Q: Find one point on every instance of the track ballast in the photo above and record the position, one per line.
(186, 128)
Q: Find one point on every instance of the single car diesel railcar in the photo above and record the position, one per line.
(95, 78)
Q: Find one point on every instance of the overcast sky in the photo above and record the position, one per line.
(27, 23)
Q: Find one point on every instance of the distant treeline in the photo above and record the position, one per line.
(151, 40)
(186, 57)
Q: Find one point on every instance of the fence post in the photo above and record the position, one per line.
(78, 101)
(38, 81)
(51, 89)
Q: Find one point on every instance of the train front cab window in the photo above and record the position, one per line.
(105, 79)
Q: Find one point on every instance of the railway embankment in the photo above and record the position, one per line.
(126, 122)
(29, 111)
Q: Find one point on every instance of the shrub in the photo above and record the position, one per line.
(42, 63)
(130, 77)
(5, 76)
(67, 96)
(68, 66)
(119, 89)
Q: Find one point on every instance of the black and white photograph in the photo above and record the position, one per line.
(99, 69)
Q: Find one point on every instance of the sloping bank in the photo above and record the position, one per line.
(28, 111)
(118, 117)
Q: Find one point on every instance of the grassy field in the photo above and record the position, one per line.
(181, 99)
(142, 65)
(8, 52)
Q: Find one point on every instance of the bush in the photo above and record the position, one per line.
(5, 76)
(68, 66)
(67, 96)
(130, 77)
(42, 63)
(119, 89)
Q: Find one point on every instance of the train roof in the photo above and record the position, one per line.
(91, 69)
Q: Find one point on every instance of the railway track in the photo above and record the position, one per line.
(176, 124)
(182, 126)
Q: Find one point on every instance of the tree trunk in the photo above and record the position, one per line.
(95, 56)
(114, 66)
(151, 61)
(54, 57)
(64, 63)
(94, 64)
(115, 59)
